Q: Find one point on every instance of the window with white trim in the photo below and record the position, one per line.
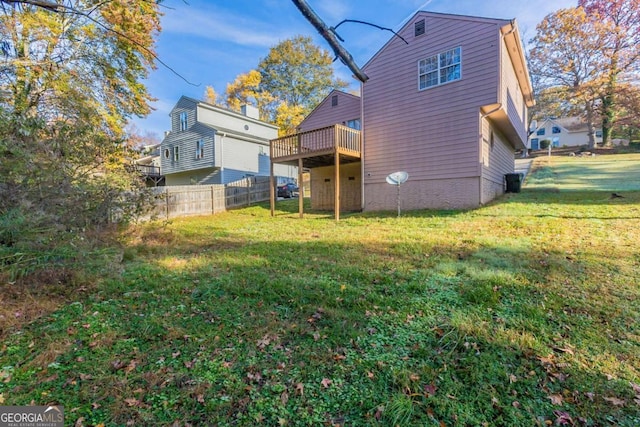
(439, 69)
(183, 120)
(176, 153)
(199, 149)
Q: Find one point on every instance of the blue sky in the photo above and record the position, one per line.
(210, 42)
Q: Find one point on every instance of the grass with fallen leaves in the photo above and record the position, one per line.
(520, 313)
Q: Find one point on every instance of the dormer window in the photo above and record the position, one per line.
(183, 120)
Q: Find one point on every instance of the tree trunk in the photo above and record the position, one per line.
(591, 128)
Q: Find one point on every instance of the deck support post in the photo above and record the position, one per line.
(272, 192)
(300, 189)
(336, 202)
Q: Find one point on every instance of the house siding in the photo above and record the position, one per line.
(325, 114)
(511, 94)
(433, 133)
(235, 146)
(497, 161)
(186, 143)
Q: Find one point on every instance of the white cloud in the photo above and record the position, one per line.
(219, 25)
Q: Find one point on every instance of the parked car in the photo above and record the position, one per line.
(287, 190)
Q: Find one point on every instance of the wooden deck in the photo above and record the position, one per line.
(318, 147)
(328, 146)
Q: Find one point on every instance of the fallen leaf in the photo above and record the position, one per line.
(615, 401)
(378, 414)
(370, 374)
(563, 418)
(430, 389)
(635, 387)
(300, 389)
(132, 401)
(95, 405)
(284, 397)
(1, 398)
(189, 364)
(131, 366)
(414, 377)
(118, 364)
(512, 379)
(556, 399)
(326, 382)
(263, 342)
(515, 404)
(590, 395)
(79, 422)
(200, 398)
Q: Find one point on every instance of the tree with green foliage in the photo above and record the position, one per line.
(288, 83)
(70, 80)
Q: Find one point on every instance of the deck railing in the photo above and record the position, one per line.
(325, 139)
(148, 170)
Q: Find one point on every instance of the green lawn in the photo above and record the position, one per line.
(521, 313)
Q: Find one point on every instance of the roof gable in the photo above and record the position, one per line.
(406, 31)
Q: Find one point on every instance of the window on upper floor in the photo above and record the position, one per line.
(334, 100)
(199, 149)
(540, 131)
(183, 120)
(353, 124)
(176, 153)
(440, 69)
(598, 134)
(556, 129)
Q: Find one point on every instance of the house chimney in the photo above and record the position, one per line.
(250, 111)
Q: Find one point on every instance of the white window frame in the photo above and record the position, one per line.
(434, 68)
(200, 149)
(176, 153)
(183, 120)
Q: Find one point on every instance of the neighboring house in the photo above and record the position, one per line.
(149, 165)
(208, 144)
(568, 131)
(446, 102)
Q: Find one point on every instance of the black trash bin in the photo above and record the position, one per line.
(513, 182)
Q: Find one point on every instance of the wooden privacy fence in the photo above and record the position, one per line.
(185, 200)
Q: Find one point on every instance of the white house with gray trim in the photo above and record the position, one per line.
(208, 144)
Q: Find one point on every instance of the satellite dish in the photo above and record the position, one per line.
(397, 178)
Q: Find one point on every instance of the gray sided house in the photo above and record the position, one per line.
(213, 145)
(449, 106)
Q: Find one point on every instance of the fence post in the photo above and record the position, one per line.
(166, 197)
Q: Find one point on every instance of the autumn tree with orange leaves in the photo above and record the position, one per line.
(71, 78)
(589, 54)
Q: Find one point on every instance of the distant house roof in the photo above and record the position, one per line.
(570, 124)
